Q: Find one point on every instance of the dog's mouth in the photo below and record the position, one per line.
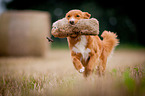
(74, 35)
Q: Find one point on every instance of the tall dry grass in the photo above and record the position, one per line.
(55, 75)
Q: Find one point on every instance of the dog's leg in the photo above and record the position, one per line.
(102, 65)
(104, 61)
(78, 65)
(89, 68)
(99, 70)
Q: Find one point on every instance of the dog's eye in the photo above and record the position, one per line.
(68, 16)
(78, 15)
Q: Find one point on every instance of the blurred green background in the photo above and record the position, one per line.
(120, 16)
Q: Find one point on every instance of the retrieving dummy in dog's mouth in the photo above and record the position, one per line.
(62, 28)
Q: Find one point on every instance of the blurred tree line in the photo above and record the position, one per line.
(120, 16)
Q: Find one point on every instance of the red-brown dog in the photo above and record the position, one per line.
(89, 52)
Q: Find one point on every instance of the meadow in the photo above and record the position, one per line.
(55, 75)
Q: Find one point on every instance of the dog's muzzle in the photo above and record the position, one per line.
(72, 22)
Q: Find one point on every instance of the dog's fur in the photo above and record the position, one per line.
(89, 52)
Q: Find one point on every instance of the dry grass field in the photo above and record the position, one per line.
(55, 75)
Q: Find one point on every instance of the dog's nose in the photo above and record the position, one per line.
(71, 22)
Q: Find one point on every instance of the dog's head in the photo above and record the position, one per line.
(74, 15)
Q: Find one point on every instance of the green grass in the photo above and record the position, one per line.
(133, 80)
(128, 81)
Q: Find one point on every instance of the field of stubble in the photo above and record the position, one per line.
(55, 75)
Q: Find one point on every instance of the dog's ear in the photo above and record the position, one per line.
(86, 15)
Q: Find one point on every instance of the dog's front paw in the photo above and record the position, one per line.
(82, 70)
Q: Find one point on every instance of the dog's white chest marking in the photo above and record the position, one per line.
(80, 47)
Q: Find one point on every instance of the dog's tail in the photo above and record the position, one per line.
(109, 41)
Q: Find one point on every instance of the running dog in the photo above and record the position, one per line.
(89, 52)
